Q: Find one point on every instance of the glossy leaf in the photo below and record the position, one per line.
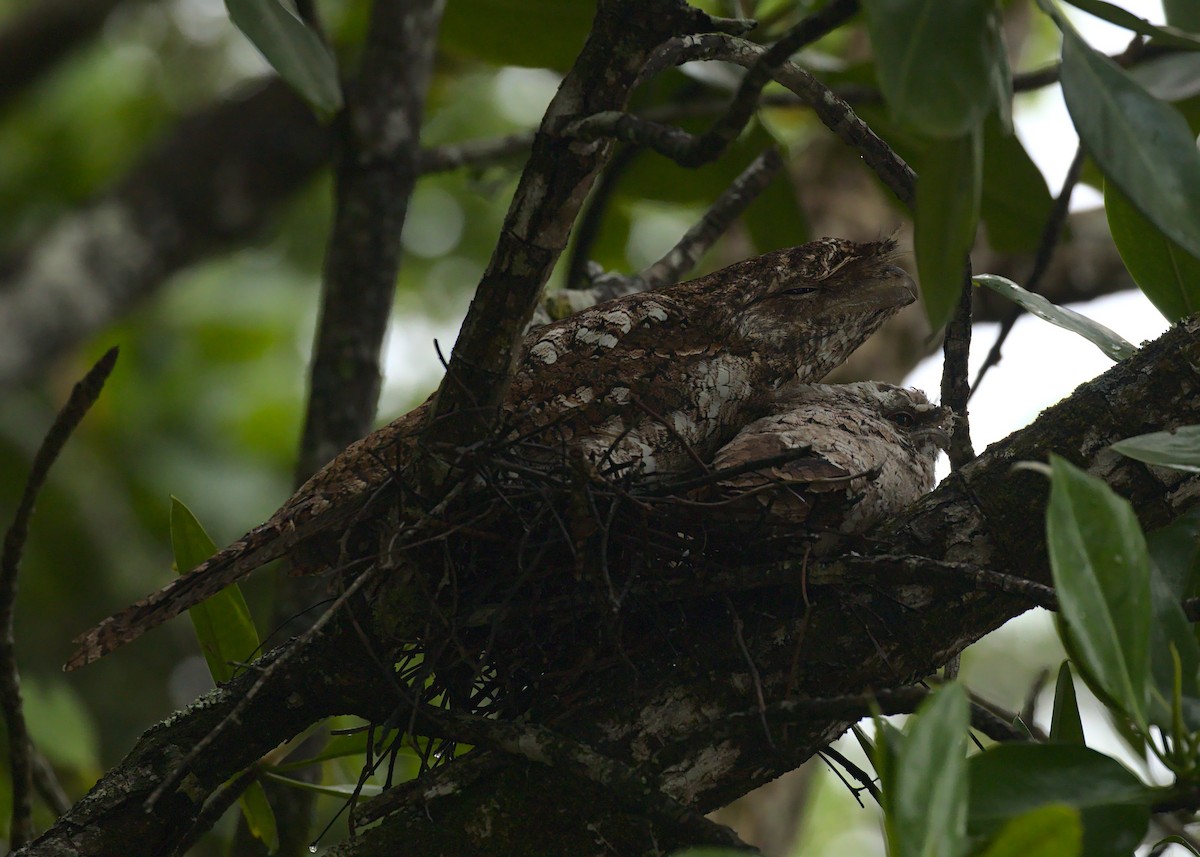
(1184, 14)
(928, 789)
(1174, 661)
(1011, 779)
(936, 62)
(1055, 830)
(947, 213)
(292, 49)
(1168, 274)
(1015, 202)
(1101, 570)
(223, 625)
(260, 818)
(1175, 840)
(1111, 343)
(1140, 144)
(338, 790)
(338, 747)
(1175, 550)
(1173, 77)
(1178, 449)
(530, 33)
(1123, 18)
(1066, 727)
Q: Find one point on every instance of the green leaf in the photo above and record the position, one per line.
(937, 63)
(928, 799)
(1174, 840)
(292, 49)
(338, 790)
(1178, 448)
(1011, 779)
(947, 212)
(491, 30)
(260, 818)
(1168, 274)
(1101, 571)
(1111, 343)
(337, 747)
(1015, 202)
(223, 625)
(1172, 77)
(1066, 727)
(1054, 830)
(1122, 18)
(1174, 662)
(1140, 144)
(1184, 14)
(1175, 550)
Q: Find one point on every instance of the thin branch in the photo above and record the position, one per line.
(956, 389)
(919, 567)
(833, 112)
(215, 807)
(20, 748)
(693, 150)
(592, 218)
(675, 265)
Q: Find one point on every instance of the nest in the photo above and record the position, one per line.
(541, 568)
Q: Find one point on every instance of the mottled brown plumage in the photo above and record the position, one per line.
(651, 382)
(867, 451)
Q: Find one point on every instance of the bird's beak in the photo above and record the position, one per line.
(890, 287)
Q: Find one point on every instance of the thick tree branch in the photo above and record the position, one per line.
(856, 637)
(208, 185)
(862, 633)
(377, 168)
(211, 184)
(552, 189)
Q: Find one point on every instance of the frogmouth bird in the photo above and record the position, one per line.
(864, 452)
(643, 386)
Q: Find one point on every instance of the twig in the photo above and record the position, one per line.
(956, 390)
(1051, 234)
(863, 778)
(740, 637)
(587, 230)
(833, 112)
(233, 717)
(683, 257)
(215, 807)
(981, 578)
(20, 748)
(693, 150)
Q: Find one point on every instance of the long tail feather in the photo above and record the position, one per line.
(256, 548)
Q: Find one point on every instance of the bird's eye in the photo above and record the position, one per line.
(904, 419)
(801, 290)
